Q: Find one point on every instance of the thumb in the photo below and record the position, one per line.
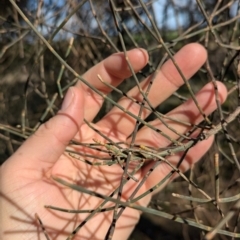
(48, 143)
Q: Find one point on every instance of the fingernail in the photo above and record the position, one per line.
(142, 52)
(68, 99)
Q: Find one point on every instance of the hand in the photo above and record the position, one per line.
(26, 177)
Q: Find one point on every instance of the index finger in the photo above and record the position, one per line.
(113, 70)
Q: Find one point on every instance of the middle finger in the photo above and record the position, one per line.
(189, 59)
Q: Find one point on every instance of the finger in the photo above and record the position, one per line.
(161, 171)
(187, 112)
(189, 59)
(47, 144)
(112, 70)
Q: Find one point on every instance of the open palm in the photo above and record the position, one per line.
(26, 177)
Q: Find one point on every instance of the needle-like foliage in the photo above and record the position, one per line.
(46, 46)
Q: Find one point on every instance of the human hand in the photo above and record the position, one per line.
(26, 177)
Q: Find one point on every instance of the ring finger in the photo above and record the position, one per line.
(187, 112)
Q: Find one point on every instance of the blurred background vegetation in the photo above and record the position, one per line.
(33, 81)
